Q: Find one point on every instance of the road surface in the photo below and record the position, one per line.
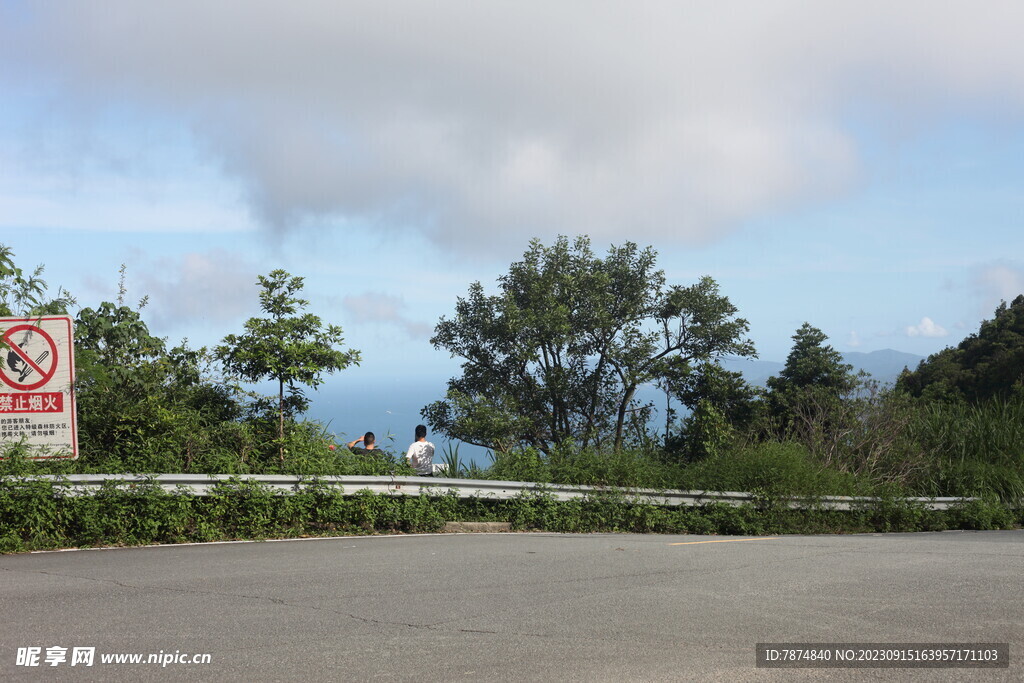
(601, 607)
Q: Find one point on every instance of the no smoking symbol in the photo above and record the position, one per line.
(30, 358)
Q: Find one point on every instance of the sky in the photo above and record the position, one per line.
(856, 165)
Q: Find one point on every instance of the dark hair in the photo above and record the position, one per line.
(421, 432)
(368, 438)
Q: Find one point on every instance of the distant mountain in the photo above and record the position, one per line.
(756, 372)
(884, 366)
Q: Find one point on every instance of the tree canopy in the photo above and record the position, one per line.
(287, 346)
(561, 350)
(813, 381)
(987, 364)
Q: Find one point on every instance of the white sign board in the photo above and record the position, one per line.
(37, 399)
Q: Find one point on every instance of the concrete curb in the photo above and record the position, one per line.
(470, 527)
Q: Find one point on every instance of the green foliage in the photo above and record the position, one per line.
(143, 407)
(974, 450)
(896, 514)
(25, 295)
(38, 515)
(41, 515)
(984, 365)
(722, 406)
(290, 348)
(726, 391)
(552, 364)
(707, 431)
(624, 468)
(812, 363)
(456, 467)
(983, 514)
(777, 468)
(560, 351)
(520, 464)
(812, 385)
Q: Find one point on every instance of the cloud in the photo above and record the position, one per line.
(376, 307)
(926, 328)
(995, 282)
(482, 124)
(214, 286)
(853, 340)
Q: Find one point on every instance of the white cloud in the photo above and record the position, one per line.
(482, 124)
(211, 287)
(376, 307)
(995, 282)
(854, 341)
(112, 176)
(926, 328)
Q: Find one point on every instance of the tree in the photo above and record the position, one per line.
(720, 402)
(22, 295)
(724, 389)
(812, 383)
(561, 350)
(987, 364)
(137, 397)
(287, 346)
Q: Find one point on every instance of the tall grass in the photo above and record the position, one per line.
(927, 448)
(778, 468)
(976, 449)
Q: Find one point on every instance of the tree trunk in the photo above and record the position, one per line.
(280, 419)
(626, 398)
(668, 414)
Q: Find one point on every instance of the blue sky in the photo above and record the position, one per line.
(855, 165)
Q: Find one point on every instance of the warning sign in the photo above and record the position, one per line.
(37, 401)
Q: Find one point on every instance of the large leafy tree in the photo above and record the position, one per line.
(561, 350)
(291, 347)
(984, 365)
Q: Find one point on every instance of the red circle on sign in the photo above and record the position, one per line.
(14, 348)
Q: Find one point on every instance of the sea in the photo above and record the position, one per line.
(352, 403)
(391, 408)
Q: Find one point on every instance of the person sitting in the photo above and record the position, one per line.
(421, 453)
(369, 446)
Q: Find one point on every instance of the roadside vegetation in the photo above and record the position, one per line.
(552, 360)
(40, 515)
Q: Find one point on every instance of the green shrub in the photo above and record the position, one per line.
(521, 464)
(982, 514)
(43, 515)
(780, 468)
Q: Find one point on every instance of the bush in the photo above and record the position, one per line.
(43, 515)
(521, 464)
(775, 468)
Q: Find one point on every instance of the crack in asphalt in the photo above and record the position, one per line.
(440, 626)
(430, 627)
(437, 626)
(122, 584)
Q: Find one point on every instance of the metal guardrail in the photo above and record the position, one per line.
(202, 484)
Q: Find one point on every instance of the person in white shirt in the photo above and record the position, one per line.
(421, 453)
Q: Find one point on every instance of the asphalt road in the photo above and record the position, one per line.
(511, 606)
